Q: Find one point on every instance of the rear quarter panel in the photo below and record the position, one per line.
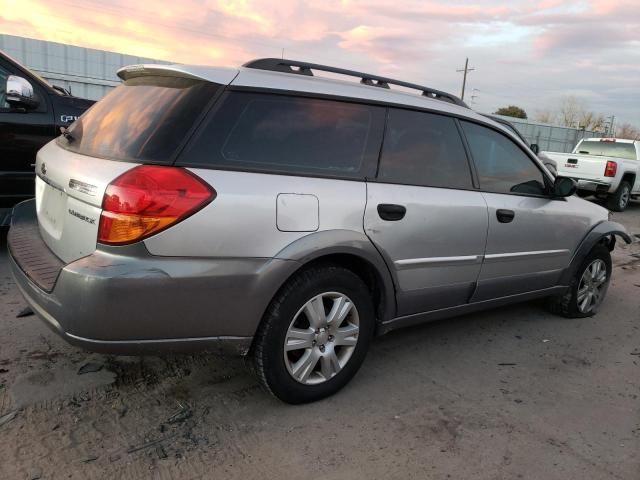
(243, 219)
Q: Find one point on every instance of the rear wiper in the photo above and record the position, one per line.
(67, 134)
(583, 152)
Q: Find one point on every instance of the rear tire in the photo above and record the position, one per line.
(619, 200)
(297, 357)
(588, 287)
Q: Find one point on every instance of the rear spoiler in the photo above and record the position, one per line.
(219, 75)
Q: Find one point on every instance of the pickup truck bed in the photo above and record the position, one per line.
(611, 169)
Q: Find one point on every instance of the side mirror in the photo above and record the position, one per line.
(20, 93)
(564, 187)
(534, 148)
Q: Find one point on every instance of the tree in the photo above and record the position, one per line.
(628, 131)
(591, 121)
(511, 111)
(571, 109)
(545, 116)
(574, 112)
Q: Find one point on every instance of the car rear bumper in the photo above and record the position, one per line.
(124, 300)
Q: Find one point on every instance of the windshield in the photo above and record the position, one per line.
(145, 119)
(607, 149)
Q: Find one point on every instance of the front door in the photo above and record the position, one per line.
(531, 236)
(424, 214)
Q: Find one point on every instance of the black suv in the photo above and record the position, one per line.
(31, 114)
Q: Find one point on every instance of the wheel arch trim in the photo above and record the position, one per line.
(603, 231)
(318, 245)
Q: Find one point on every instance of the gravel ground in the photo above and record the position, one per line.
(510, 393)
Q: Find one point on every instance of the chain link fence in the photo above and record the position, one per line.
(550, 138)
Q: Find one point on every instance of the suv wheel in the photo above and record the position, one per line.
(588, 287)
(619, 200)
(315, 335)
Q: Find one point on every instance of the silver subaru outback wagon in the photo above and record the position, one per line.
(273, 212)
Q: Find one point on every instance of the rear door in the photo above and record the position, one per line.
(424, 214)
(531, 236)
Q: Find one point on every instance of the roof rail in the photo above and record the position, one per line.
(305, 68)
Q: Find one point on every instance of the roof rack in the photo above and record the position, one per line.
(305, 68)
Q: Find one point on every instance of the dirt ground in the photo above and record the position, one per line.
(513, 393)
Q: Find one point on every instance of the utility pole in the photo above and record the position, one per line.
(610, 125)
(466, 70)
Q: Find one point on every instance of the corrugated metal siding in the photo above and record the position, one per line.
(550, 138)
(87, 72)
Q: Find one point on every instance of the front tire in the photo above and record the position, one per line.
(588, 287)
(618, 201)
(315, 334)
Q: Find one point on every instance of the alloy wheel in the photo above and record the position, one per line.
(592, 285)
(321, 338)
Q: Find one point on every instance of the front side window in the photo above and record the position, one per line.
(4, 75)
(278, 133)
(502, 166)
(144, 119)
(423, 149)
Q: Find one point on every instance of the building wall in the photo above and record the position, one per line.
(86, 72)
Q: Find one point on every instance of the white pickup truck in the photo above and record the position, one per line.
(606, 167)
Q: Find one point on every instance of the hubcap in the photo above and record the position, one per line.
(321, 338)
(592, 285)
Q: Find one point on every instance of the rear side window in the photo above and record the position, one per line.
(502, 166)
(423, 149)
(278, 133)
(144, 119)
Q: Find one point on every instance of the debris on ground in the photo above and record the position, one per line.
(25, 312)
(181, 415)
(507, 364)
(8, 417)
(90, 367)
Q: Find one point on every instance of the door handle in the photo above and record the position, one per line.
(505, 216)
(391, 212)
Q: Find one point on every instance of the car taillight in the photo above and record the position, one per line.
(148, 199)
(611, 169)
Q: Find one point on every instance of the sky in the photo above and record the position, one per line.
(527, 53)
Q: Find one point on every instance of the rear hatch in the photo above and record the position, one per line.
(144, 121)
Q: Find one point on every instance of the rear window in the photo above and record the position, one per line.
(144, 119)
(279, 133)
(607, 149)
